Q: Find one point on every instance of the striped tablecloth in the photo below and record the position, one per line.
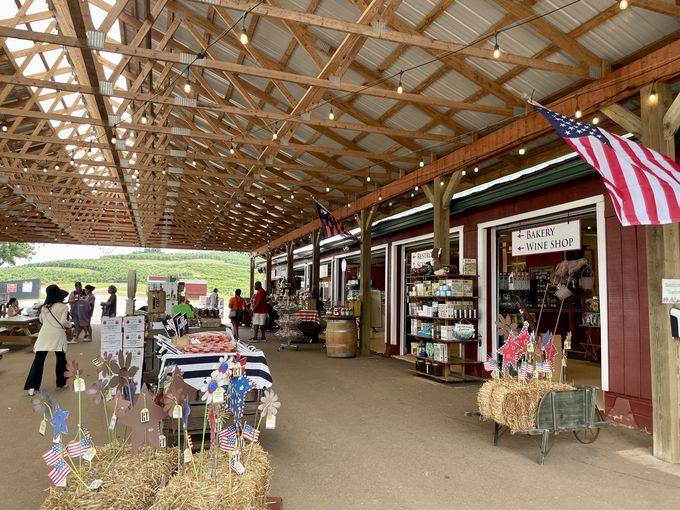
(196, 367)
(307, 316)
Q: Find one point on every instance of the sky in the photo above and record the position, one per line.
(48, 252)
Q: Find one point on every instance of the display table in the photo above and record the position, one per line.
(18, 330)
(341, 336)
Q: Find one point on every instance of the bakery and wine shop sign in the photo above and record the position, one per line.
(547, 238)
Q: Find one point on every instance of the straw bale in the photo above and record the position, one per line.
(130, 482)
(513, 403)
(248, 491)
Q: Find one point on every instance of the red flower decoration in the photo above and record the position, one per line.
(73, 371)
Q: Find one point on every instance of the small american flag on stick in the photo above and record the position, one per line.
(251, 433)
(52, 455)
(59, 472)
(77, 448)
(227, 442)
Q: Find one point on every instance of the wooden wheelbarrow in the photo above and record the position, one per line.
(561, 411)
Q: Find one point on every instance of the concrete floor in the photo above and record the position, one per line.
(365, 433)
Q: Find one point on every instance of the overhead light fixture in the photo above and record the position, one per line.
(596, 120)
(421, 163)
(441, 182)
(578, 113)
(476, 169)
(144, 118)
(400, 87)
(331, 115)
(368, 178)
(389, 205)
(328, 189)
(57, 167)
(4, 127)
(114, 139)
(623, 5)
(275, 135)
(464, 172)
(496, 48)
(412, 194)
(379, 196)
(25, 169)
(522, 151)
(232, 151)
(187, 87)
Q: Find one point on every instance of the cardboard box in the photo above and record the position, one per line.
(111, 342)
(133, 324)
(111, 324)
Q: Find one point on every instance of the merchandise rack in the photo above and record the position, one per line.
(453, 369)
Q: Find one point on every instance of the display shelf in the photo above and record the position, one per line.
(442, 341)
(413, 277)
(454, 361)
(444, 319)
(450, 378)
(444, 298)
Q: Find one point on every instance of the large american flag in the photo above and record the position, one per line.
(643, 184)
(331, 226)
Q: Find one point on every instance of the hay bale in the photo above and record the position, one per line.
(513, 403)
(130, 482)
(248, 491)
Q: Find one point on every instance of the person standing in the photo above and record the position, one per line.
(80, 311)
(260, 311)
(89, 299)
(13, 307)
(214, 300)
(109, 307)
(52, 337)
(236, 306)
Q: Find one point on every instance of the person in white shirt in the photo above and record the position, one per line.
(214, 300)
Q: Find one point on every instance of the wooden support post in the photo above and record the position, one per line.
(316, 263)
(290, 272)
(440, 193)
(663, 261)
(268, 273)
(365, 220)
(252, 275)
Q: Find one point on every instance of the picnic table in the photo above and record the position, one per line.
(19, 329)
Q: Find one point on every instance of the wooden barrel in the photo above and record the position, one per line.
(341, 337)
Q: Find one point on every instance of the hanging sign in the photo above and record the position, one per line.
(323, 270)
(420, 258)
(547, 238)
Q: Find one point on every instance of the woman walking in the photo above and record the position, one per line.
(89, 299)
(80, 311)
(52, 337)
(236, 306)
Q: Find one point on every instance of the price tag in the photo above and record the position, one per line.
(78, 384)
(271, 422)
(187, 455)
(218, 396)
(530, 347)
(42, 428)
(61, 484)
(162, 442)
(237, 466)
(144, 415)
(95, 484)
(112, 422)
(177, 412)
(89, 454)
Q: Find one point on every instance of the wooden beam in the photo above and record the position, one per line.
(671, 120)
(663, 261)
(420, 41)
(623, 117)
(365, 221)
(617, 86)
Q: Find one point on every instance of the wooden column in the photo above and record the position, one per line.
(252, 275)
(663, 261)
(365, 220)
(316, 263)
(268, 271)
(290, 247)
(440, 193)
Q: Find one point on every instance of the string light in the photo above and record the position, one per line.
(653, 96)
(476, 169)
(441, 182)
(331, 115)
(623, 5)
(389, 205)
(416, 188)
(187, 84)
(144, 118)
(328, 189)
(4, 127)
(421, 163)
(496, 48)
(596, 120)
(522, 151)
(57, 167)
(578, 113)
(25, 169)
(275, 135)
(232, 150)
(379, 197)
(244, 34)
(464, 172)
(400, 87)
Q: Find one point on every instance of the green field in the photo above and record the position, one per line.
(226, 271)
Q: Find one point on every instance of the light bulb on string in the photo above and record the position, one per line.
(653, 96)
(4, 127)
(416, 188)
(522, 151)
(596, 120)
(331, 114)
(476, 169)
(232, 151)
(400, 87)
(328, 189)
(496, 47)
(244, 34)
(57, 167)
(144, 118)
(275, 135)
(623, 5)
(441, 182)
(578, 113)
(464, 172)
(379, 197)
(421, 163)
(187, 87)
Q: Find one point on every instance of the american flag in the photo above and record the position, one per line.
(231, 430)
(227, 442)
(77, 448)
(251, 433)
(490, 365)
(530, 368)
(59, 472)
(331, 226)
(544, 367)
(523, 370)
(643, 184)
(52, 455)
